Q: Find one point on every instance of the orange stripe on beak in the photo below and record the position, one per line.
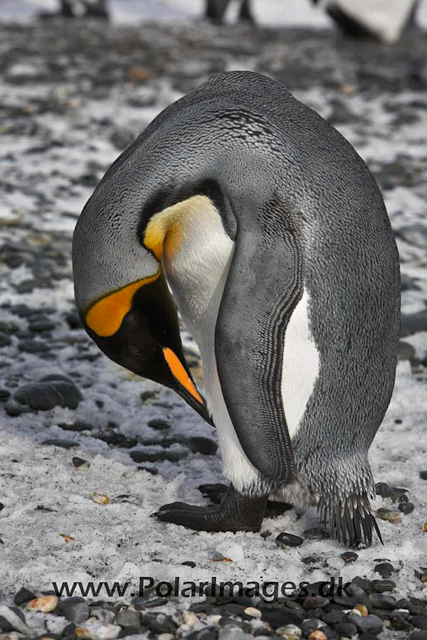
(180, 374)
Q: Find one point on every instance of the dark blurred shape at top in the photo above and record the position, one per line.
(215, 11)
(383, 20)
(80, 8)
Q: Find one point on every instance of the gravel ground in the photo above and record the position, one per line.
(90, 452)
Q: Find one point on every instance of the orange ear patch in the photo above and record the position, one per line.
(180, 374)
(106, 316)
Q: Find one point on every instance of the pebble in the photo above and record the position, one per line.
(159, 425)
(159, 623)
(27, 286)
(316, 533)
(310, 625)
(4, 395)
(383, 513)
(420, 621)
(153, 470)
(73, 320)
(280, 617)
(252, 612)
(32, 346)
(107, 632)
(205, 446)
(349, 556)
(149, 600)
(290, 632)
(333, 617)
(362, 609)
(401, 624)
(49, 392)
(23, 596)
(414, 323)
(385, 569)
(190, 618)
(207, 633)
(313, 602)
(347, 602)
(5, 341)
(128, 618)
(62, 444)
(288, 540)
(346, 629)
(380, 601)
(189, 563)
(78, 425)
(158, 456)
(77, 613)
(398, 494)
(363, 583)
(22, 311)
(46, 604)
(406, 507)
(383, 489)
(423, 474)
(371, 623)
(383, 585)
(12, 619)
(227, 621)
(418, 635)
(99, 498)
(404, 613)
(41, 324)
(317, 635)
(80, 463)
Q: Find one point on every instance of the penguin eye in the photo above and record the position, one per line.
(134, 350)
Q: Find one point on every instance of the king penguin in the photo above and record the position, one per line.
(252, 215)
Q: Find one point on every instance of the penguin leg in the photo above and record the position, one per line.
(236, 512)
(245, 14)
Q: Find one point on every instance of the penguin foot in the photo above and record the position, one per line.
(236, 512)
(216, 492)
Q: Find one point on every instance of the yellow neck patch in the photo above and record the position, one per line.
(170, 223)
(106, 315)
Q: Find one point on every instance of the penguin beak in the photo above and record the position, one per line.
(185, 386)
(137, 327)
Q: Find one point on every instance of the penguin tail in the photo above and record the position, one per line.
(351, 520)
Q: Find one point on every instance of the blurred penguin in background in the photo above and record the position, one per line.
(80, 9)
(216, 9)
(383, 20)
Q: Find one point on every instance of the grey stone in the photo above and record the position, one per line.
(420, 621)
(128, 618)
(5, 341)
(77, 613)
(370, 624)
(49, 392)
(205, 446)
(288, 540)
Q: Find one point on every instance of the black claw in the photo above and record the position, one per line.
(351, 521)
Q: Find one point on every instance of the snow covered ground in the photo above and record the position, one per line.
(72, 97)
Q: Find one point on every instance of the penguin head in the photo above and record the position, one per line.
(133, 321)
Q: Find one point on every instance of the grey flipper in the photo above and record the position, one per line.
(263, 287)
